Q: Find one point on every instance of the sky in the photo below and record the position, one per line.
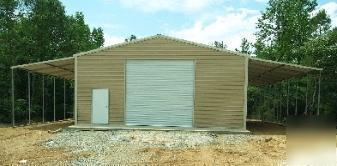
(203, 21)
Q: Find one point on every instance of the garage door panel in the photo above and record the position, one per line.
(160, 92)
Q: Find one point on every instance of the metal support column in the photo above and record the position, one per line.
(29, 106)
(287, 98)
(306, 96)
(43, 99)
(280, 102)
(54, 101)
(264, 101)
(13, 100)
(296, 111)
(319, 92)
(64, 99)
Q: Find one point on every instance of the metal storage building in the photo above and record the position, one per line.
(165, 82)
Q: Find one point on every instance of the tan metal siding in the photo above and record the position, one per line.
(98, 73)
(219, 97)
(219, 86)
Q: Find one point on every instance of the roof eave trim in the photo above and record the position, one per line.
(42, 62)
(287, 64)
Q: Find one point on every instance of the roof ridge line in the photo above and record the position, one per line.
(115, 45)
(205, 46)
(165, 37)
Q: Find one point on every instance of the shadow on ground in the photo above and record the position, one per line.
(265, 128)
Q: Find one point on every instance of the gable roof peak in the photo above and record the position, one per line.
(163, 37)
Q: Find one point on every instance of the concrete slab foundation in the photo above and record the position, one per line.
(155, 128)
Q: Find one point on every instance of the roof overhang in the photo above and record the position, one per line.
(264, 72)
(61, 68)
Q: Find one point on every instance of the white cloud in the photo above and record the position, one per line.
(169, 5)
(331, 9)
(230, 28)
(110, 40)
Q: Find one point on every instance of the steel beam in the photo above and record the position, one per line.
(13, 100)
(59, 67)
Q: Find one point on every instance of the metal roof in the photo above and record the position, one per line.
(62, 67)
(263, 72)
(260, 71)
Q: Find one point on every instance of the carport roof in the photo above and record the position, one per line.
(62, 68)
(263, 72)
(260, 71)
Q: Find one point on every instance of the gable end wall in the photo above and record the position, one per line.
(219, 81)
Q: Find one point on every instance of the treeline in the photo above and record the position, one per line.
(295, 31)
(37, 30)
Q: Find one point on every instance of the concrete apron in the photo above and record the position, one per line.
(157, 128)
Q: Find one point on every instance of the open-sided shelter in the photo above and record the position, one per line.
(164, 81)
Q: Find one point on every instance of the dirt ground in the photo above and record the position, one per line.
(267, 148)
(23, 143)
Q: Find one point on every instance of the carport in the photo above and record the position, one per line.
(62, 68)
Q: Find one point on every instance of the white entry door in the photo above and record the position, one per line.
(100, 106)
(160, 92)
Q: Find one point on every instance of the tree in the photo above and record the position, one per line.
(8, 39)
(131, 38)
(36, 30)
(46, 30)
(287, 25)
(219, 44)
(79, 36)
(321, 52)
(245, 47)
(97, 37)
(292, 31)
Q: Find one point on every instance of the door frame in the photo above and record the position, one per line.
(92, 105)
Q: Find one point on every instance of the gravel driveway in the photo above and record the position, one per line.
(126, 147)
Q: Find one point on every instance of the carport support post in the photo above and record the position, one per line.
(319, 92)
(29, 106)
(43, 98)
(64, 99)
(306, 96)
(287, 98)
(264, 100)
(54, 99)
(13, 101)
(296, 98)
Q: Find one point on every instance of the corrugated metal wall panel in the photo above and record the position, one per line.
(93, 74)
(160, 92)
(219, 100)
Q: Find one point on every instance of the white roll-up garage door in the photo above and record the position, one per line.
(159, 92)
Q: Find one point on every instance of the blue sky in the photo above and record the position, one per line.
(196, 20)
